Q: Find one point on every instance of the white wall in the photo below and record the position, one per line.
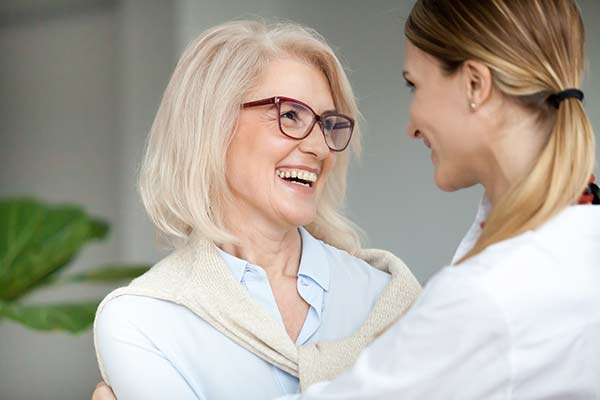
(78, 90)
(146, 58)
(58, 138)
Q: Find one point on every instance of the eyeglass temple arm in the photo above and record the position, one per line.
(257, 103)
(342, 125)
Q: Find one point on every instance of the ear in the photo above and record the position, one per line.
(478, 82)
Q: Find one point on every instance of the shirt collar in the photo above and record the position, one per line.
(313, 261)
(474, 231)
(237, 266)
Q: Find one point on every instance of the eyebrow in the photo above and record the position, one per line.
(295, 105)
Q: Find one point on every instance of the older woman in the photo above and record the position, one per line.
(496, 99)
(245, 170)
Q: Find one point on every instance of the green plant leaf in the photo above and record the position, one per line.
(37, 241)
(106, 274)
(73, 318)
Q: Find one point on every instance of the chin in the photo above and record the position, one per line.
(445, 187)
(453, 181)
(303, 221)
(445, 183)
(297, 219)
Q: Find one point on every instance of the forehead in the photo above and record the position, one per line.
(296, 79)
(417, 61)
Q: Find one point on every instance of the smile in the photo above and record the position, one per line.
(297, 176)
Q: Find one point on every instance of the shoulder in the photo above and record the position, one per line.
(347, 269)
(542, 274)
(574, 230)
(151, 302)
(135, 313)
(531, 259)
(144, 298)
(157, 326)
(353, 285)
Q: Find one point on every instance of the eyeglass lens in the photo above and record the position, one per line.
(296, 120)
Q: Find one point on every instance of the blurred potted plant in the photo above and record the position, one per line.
(37, 243)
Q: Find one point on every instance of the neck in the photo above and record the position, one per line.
(275, 248)
(513, 153)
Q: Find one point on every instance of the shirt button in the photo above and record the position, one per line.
(248, 270)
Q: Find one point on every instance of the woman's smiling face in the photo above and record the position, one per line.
(441, 116)
(259, 155)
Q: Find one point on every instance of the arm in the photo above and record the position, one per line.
(135, 367)
(453, 343)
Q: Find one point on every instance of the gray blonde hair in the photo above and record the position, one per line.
(182, 177)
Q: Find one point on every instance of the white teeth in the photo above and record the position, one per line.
(300, 174)
(301, 184)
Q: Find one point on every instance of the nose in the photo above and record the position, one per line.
(315, 143)
(412, 131)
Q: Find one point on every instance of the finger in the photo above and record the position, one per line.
(103, 392)
(101, 384)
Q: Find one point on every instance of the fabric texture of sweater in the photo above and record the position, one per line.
(195, 276)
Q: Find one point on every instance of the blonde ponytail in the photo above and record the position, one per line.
(556, 181)
(534, 49)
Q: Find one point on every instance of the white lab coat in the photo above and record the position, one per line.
(521, 320)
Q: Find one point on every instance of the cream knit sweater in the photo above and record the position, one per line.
(196, 277)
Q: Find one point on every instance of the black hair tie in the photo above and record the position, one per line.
(557, 98)
(595, 191)
(591, 194)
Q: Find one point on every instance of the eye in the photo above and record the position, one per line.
(410, 85)
(291, 115)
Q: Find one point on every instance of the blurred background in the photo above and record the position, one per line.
(80, 82)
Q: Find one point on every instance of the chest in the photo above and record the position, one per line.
(218, 368)
(292, 307)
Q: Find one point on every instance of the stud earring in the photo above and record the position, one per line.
(473, 106)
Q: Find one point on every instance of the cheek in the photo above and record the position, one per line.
(426, 114)
(331, 160)
(447, 129)
(253, 156)
(234, 169)
(328, 167)
(458, 159)
(244, 159)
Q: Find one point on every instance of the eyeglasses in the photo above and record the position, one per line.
(296, 120)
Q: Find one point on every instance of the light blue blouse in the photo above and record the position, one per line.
(155, 349)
